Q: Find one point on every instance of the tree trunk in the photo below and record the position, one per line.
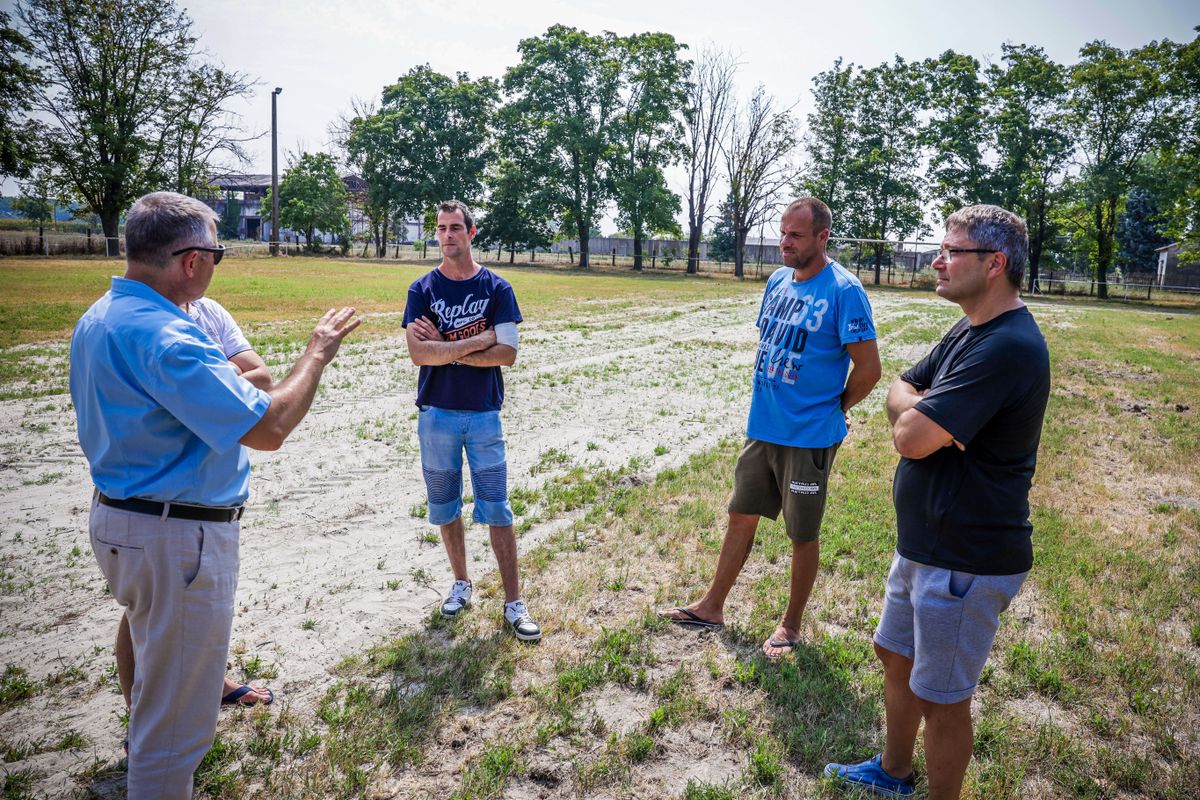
(739, 251)
(1103, 252)
(584, 249)
(109, 220)
(637, 252)
(1037, 242)
(693, 257)
(512, 254)
(878, 262)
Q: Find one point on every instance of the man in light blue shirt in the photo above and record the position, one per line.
(814, 322)
(164, 421)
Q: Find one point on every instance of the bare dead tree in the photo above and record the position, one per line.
(757, 154)
(205, 139)
(707, 117)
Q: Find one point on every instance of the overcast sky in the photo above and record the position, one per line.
(324, 53)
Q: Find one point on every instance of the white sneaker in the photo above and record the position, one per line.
(458, 599)
(523, 626)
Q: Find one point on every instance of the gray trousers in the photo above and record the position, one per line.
(176, 579)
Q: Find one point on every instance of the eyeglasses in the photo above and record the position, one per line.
(218, 252)
(947, 254)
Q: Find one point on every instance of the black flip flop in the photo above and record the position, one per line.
(234, 697)
(788, 647)
(693, 620)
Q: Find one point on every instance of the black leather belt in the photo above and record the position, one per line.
(176, 510)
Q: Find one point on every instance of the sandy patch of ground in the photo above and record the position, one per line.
(335, 553)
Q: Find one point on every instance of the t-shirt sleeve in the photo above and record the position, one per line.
(201, 389)
(920, 375)
(228, 335)
(855, 322)
(971, 391)
(506, 305)
(415, 308)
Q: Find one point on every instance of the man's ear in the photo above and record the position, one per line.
(999, 263)
(188, 263)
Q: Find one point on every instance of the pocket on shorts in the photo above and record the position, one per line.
(960, 583)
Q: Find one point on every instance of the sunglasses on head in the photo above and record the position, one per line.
(218, 252)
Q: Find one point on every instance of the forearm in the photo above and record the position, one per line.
(260, 377)
(859, 383)
(498, 355)
(433, 353)
(901, 397)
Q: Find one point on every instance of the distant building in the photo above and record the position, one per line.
(1173, 274)
(255, 220)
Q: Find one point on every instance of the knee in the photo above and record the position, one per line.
(938, 713)
(890, 659)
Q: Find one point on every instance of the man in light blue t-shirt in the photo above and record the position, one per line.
(814, 323)
(164, 421)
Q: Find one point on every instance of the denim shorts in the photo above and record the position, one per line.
(443, 435)
(944, 621)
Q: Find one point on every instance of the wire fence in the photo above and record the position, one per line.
(900, 263)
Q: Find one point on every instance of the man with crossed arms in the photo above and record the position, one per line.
(966, 421)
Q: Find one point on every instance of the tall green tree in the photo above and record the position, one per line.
(566, 93)
(1140, 231)
(956, 134)
(1173, 167)
(1121, 109)
(231, 217)
(313, 197)
(1029, 132)
(429, 141)
(18, 82)
(514, 217)
(722, 244)
(650, 135)
(828, 139)
(757, 153)
(882, 196)
(707, 115)
(114, 73)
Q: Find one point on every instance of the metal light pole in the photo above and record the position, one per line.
(274, 176)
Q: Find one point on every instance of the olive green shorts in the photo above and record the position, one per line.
(774, 477)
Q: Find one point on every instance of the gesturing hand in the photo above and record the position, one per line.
(327, 336)
(425, 331)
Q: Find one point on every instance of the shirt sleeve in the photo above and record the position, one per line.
(855, 321)
(228, 335)
(970, 392)
(201, 389)
(920, 375)
(506, 305)
(415, 308)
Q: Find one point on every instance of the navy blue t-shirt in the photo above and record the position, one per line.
(968, 510)
(461, 309)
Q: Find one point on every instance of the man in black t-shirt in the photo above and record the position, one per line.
(966, 421)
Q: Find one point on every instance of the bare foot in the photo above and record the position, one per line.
(780, 643)
(695, 614)
(250, 698)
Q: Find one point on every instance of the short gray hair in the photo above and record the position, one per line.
(998, 229)
(161, 222)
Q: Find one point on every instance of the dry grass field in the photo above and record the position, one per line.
(624, 414)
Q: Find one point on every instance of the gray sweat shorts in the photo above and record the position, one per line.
(944, 621)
